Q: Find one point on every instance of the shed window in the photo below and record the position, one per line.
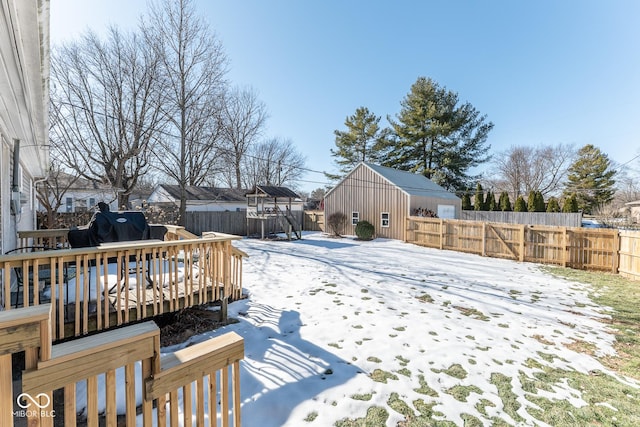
(384, 219)
(355, 218)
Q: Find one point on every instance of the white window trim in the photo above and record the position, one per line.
(355, 216)
(382, 219)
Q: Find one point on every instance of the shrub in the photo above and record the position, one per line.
(505, 203)
(521, 205)
(336, 222)
(365, 230)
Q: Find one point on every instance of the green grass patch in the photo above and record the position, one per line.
(424, 388)
(376, 416)
(374, 359)
(461, 392)
(363, 397)
(471, 312)
(381, 376)
(482, 404)
(406, 372)
(425, 298)
(403, 361)
(509, 398)
(456, 371)
(311, 416)
(602, 392)
(400, 405)
(623, 298)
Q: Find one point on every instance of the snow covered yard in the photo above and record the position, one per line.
(337, 328)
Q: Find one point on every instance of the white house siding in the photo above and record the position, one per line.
(368, 193)
(24, 99)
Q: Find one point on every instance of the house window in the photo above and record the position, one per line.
(384, 219)
(92, 202)
(355, 218)
(69, 203)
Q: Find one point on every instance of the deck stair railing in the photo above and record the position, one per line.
(88, 379)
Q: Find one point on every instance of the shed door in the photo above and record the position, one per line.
(446, 211)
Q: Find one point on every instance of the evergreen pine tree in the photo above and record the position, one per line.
(362, 141)
(466, 202)
(437, 136)
(531, 201)
(570, 204)
(591, 179)
(520, 205)
(505, 203)
(538, 202)
(491, 201)
(553, 205)
(478, 198)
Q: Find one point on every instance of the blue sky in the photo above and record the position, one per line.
(544, 72)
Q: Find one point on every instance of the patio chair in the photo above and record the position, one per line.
(44, 274)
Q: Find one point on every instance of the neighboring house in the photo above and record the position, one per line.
(200, 199)
(24, 102)
(80, 194)
(634, 211)
(386, 197)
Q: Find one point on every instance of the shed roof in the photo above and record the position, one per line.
(411, 183)
(273, 191)
(207, 193)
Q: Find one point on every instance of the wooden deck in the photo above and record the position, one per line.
(124, 282)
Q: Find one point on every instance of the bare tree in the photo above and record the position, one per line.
(244, 116)
(521, 170)
(273, 162)
(50, 193)
(194, 67)
(105, 108)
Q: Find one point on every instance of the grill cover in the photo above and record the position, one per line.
(107, 227)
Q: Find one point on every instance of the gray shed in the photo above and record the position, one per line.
(386, 197)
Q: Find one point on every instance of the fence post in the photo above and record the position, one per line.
(565, 246)
(441, 234)
(6, 390)
(484, 239)
(616, 252)
(522, 237)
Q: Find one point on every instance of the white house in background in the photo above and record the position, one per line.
(24, 105)
(80, 194)
(634, 211)
(200, 199)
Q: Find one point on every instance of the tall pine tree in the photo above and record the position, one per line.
(437, 136)
(360, 142)
(520, 205)
(504, 202)
(478, 198)
(466, 202)
(591, 179)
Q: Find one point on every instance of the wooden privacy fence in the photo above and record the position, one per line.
(630, 254)
(97, 288)
(580, 248)
(89, 379)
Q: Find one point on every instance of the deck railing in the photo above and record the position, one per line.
(113, 284)
(89, 379)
